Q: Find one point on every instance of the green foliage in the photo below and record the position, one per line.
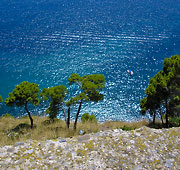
(56, 93)
(89, 90)
(23, 93)
(88, 118)
(53, 110)
(126, 128)
(143, 105)
(174, 121)
(7, 115)
(171, 66)
(74, 78)
(76, 99)
(1, 99)
(90, 85)
(162, 91)
(56, 97)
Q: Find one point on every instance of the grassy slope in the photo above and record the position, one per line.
(13, 130)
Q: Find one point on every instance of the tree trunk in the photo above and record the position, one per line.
(154, 117)
(75, 123)
(29, 114)
(167, 122)
(64, 113)
(160, 111)
(68, 119)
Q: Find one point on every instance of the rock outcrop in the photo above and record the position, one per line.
(143, 148)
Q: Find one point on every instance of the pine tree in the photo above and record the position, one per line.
(163, 91)
(23, 94)
(56, 96)
(89, 90)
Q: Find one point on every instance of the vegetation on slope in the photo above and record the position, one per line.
(14, 129)
(163, 92)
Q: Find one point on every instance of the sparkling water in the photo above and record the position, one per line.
(44, 41)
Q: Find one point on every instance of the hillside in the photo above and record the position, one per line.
(143, 148)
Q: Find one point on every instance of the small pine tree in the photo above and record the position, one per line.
(89, 90)
(56, 96)
(23, 94)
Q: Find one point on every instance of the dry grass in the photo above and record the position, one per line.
(119, 124)
(13, 130)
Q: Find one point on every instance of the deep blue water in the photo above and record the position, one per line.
(44, 41)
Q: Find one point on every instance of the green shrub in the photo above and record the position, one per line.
(7, 115)
(174, 121)
(88, 118)
(126, 128)
(1, 99)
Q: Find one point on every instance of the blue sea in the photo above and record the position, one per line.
(44, 41)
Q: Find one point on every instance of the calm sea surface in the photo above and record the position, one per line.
(44, 41)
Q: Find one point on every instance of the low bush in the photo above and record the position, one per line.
(88, 118)
(126, 128)
(7, 115)
(174, 121)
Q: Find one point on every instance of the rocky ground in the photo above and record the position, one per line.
(143, 148)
